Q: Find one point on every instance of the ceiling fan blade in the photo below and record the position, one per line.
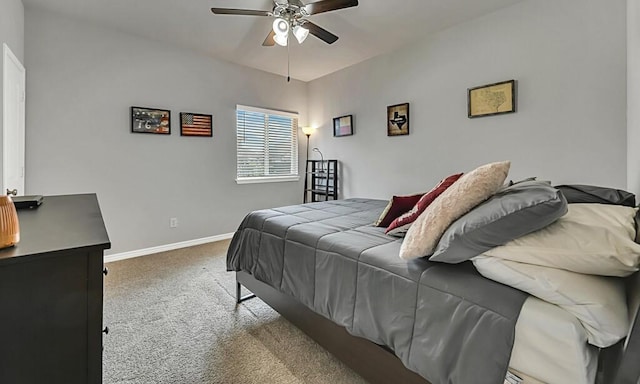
(329, 5)
(269, 42)
(320, 32)
(244, 12)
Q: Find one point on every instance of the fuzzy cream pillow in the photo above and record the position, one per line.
(470, 190)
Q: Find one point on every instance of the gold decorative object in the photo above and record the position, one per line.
(9, 226)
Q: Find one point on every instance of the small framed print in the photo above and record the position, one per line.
(492, 99)
(149, 120)
(343, 126)
(398, 119)
(196, 124)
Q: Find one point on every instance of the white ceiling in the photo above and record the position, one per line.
(372, 28)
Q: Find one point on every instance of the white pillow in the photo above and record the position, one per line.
(597, 239)
(468, 191)
(599, 302)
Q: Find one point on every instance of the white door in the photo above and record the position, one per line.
(13, 124)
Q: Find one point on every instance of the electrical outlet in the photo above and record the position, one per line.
(173, 222)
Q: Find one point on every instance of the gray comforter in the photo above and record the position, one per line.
(445, 322)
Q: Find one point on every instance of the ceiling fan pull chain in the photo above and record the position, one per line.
(288, 65)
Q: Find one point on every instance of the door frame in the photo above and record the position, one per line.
(7, 54)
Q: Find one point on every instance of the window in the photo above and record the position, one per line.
(267, 145)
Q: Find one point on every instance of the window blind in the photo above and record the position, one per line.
(267, 143)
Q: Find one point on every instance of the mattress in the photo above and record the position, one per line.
(551, 346)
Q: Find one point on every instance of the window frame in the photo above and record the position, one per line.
(295, 156)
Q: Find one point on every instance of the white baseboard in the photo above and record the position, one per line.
(166, 247)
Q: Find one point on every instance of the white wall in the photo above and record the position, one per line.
(12, 34)
(12, 26)
(568, 57)
(81, 82)
(633, 96)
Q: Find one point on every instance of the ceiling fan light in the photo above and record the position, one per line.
(280, 27)
(300, 33)
(281, 39)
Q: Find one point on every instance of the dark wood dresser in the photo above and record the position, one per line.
(51, 286)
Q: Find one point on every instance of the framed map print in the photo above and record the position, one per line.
(492, 99)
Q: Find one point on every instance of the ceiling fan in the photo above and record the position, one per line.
(292, 16)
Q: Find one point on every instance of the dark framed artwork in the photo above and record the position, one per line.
(398, 119)
(149, 120)
(492, 99)
(343, 126)
(196, 124)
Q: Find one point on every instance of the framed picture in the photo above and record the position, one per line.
(492, 99)
(148, 120)
(196, 124)
(398, 119)
(343, 126)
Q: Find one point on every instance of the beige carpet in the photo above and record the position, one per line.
(172, 318)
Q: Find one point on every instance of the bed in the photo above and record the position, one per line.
(326, 268)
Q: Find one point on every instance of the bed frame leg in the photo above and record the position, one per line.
(239, 297)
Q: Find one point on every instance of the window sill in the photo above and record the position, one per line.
(257, 180)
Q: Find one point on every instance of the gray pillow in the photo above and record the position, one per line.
(511, 213)
(595, 194)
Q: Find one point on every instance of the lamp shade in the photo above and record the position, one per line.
(308, 130)
(9, 227)
(280, 27)
(281, 40)
(300, 33)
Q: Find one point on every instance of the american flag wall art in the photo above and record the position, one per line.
(195, 124)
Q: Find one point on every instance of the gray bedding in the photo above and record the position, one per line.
(445, 322)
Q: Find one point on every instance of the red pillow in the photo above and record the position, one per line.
(396, 207)
(401, 224)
